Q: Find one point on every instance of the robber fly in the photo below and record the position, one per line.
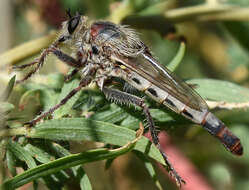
(103, 50)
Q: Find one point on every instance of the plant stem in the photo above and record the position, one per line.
(237, 14)
(124, 9)
(13, 132)
(26, 50)
(187, 13)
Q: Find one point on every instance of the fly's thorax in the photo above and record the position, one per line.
(119, 38)
(86, 70)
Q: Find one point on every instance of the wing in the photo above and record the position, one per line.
(149, 68)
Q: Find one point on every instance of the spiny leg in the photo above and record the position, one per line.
(84, 82)
(58, 53)
(24, 65)
(125, 98)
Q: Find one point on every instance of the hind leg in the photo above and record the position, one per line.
(125, 98)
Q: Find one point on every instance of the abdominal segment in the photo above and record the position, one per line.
(214, 126)
(203, 117)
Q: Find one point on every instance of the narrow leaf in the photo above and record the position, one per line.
(44, 96)
(64, 163)
(150, 169)
(161, 116)
(21, 153)
(85, 129)
(6, 107)
(112, 115)
(43, 157)
(78, 171)
(178, 58)
(85, 183)
(218, 90)
(10, 158)
(130, 122)
(39, 154)
(8, 90)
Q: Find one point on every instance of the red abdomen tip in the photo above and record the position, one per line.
(237, 149)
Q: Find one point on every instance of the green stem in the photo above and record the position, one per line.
(66, 162)
(239, 14)
(178, 58)
(26, 50)
(13, 132)
(121, 11)
(187, 13)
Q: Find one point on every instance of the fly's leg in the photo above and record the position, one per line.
(84, 82)
(70, 75)
(40, 61)
(125, 98)
(24, 66)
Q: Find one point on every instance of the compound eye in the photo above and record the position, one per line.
(95, 50)
(73, 23)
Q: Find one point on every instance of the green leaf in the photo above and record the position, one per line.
(46, 97)
(64, 163)
(86, 129)
(78, 171)
(130, 122)
(21, 153)
(84, 181)
(52, 182)
(10, 158)
(38, 153)
(8, 89)
(59, 150)
(161, 116)
(90, 100)
(3, 145)
(150, 169)
(43, 157)
(6, 107)
(113, 115)
(178, 58)
(55, 80)
(218, 90)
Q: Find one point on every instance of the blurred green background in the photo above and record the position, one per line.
(217, 47)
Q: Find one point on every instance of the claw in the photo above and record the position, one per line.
(178, 179)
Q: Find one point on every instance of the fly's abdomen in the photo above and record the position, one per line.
(214, 126)
(201, 116)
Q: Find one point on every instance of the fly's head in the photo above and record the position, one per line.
(73, 28)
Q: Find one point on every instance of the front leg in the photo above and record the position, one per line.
(84, 82)
(125, 98)
(69, 76)
(40, 61)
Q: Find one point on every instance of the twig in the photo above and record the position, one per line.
(26, 50)
(227, 105)
(237, 14)
(13, 132)
(123, 9)
(187, 13)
